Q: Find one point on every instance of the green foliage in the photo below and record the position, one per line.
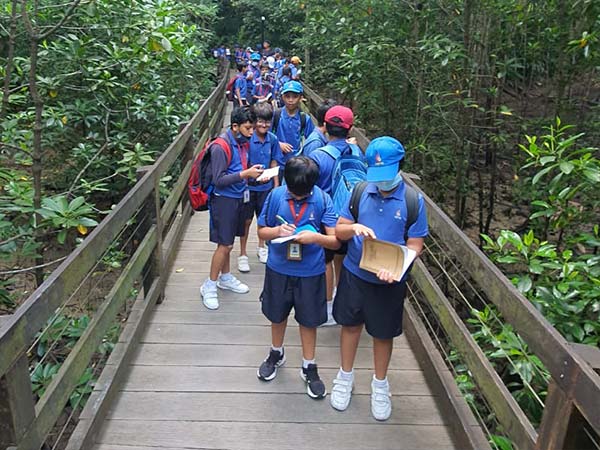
(66, 215)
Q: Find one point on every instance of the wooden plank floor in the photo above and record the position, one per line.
(193, 384)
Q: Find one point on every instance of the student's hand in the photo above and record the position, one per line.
(307, 237)
(352, 140)
(286, 229)
(385, 275)
(252, 172)
(361, 230)
(285, 147)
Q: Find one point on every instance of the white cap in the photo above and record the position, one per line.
(271, 62)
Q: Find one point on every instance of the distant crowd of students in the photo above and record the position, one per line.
(328, 196)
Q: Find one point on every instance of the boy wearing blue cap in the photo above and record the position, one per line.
(363, 298)
(295, 273)
(240, 87)
(290, 124)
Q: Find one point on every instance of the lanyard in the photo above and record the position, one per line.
(297, 217)
(242, 150)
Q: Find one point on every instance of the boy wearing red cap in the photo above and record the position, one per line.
(338, 123)
(363, 298)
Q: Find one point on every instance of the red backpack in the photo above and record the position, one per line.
(200, 183)
(229, 89)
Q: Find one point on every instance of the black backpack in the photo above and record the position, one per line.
(410, 195)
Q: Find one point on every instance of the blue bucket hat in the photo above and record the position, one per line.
(255, 57)
(292, 86)
(383, 155)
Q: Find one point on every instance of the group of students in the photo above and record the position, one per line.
(323, 258)
(261, 75)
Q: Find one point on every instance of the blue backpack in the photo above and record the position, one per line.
(350, 168)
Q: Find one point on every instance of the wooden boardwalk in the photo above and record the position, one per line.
(193, 384)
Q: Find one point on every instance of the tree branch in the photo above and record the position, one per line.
(30, 269)
(60, 23)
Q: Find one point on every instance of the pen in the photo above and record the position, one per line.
(281, 219)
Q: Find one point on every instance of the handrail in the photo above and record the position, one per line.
(31, 426)
(569, 371)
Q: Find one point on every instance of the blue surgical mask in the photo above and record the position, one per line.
(255, 63)
(387, 186)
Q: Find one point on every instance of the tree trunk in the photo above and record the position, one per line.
(9, 58)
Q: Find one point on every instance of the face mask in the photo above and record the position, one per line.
(254, 63)
(240, 138)
(387, 186)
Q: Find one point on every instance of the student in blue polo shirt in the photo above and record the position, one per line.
(289, 128)
(263, 89)
(363, 298)
(255, 65)
(338, 123)
(240, 87)
(227, 202)
(295, 273)
(317, 138)
(263, 148)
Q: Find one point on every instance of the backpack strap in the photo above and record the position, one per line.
(355, 197)
(224, 144)
(411, 197)
(331, 151)
(276, 118)
(303, 120)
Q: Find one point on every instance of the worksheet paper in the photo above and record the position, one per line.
(268, 174)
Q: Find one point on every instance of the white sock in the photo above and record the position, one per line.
(277, 349)
(210, 283)
(330, 307)
(380, 383)
(347, 376)
(226, 276)
(306, 362)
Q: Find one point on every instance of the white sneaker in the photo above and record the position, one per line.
(263, 254)
(243, 264)
(381, 402)
(330, 321)
(209, 295)
(233, 284)
(341, 393)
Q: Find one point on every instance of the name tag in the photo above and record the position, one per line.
(294, 251)
(246, 196)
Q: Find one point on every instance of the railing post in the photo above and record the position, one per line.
(17, 406)
(562, 423)
(155, 265)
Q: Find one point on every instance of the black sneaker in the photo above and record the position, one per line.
(314, 386)
(268, 369)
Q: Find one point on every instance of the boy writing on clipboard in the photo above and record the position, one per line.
(365, 299)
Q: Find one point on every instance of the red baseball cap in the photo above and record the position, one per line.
(340, 116)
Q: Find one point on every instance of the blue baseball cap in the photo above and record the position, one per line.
(292, 86)
(383, 155)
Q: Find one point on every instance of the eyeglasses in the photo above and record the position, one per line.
(263, 123)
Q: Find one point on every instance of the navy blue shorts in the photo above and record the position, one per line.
(306, 295)
(378, 306)
(226, 219)
(255, 205)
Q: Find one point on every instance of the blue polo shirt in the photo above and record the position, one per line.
(326, 163)
(288, 130)
(262, 88)
(235, 190)
(263, 152)
(386, 216)
(313, 256)
(316, 140)
(240, 83)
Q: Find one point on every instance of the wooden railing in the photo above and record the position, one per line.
(26, 423)
(573, 399)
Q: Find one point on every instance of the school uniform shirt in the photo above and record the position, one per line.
(226, 177)
(317, 139)
(288, 130)
(326, 163)
(386, 216)
(313, 256)
(262, 152)
(241, 84)
(255, 70)
(262, 89)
